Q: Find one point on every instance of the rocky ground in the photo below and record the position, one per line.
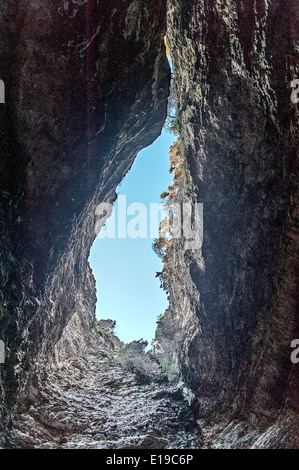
(86, 90)
(95, 402)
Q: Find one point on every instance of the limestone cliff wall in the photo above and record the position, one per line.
(86, 89)
(235, 303)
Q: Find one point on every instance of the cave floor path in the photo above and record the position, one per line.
(94, 403)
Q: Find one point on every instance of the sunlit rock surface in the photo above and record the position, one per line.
(93, 401)
(234, 307)
(86, 89)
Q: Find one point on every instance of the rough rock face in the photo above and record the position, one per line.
(91, 401)
(86, 89)
(234, 303)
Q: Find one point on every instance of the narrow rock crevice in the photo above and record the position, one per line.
(86, 89)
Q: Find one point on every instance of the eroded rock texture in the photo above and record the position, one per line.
(235, 303)
(86, 89)
(92, 401)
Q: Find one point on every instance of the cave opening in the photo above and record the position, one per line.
(122, 257)
(86, 87)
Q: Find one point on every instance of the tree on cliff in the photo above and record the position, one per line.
(163, 243)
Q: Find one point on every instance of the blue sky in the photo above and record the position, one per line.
(125, 269)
